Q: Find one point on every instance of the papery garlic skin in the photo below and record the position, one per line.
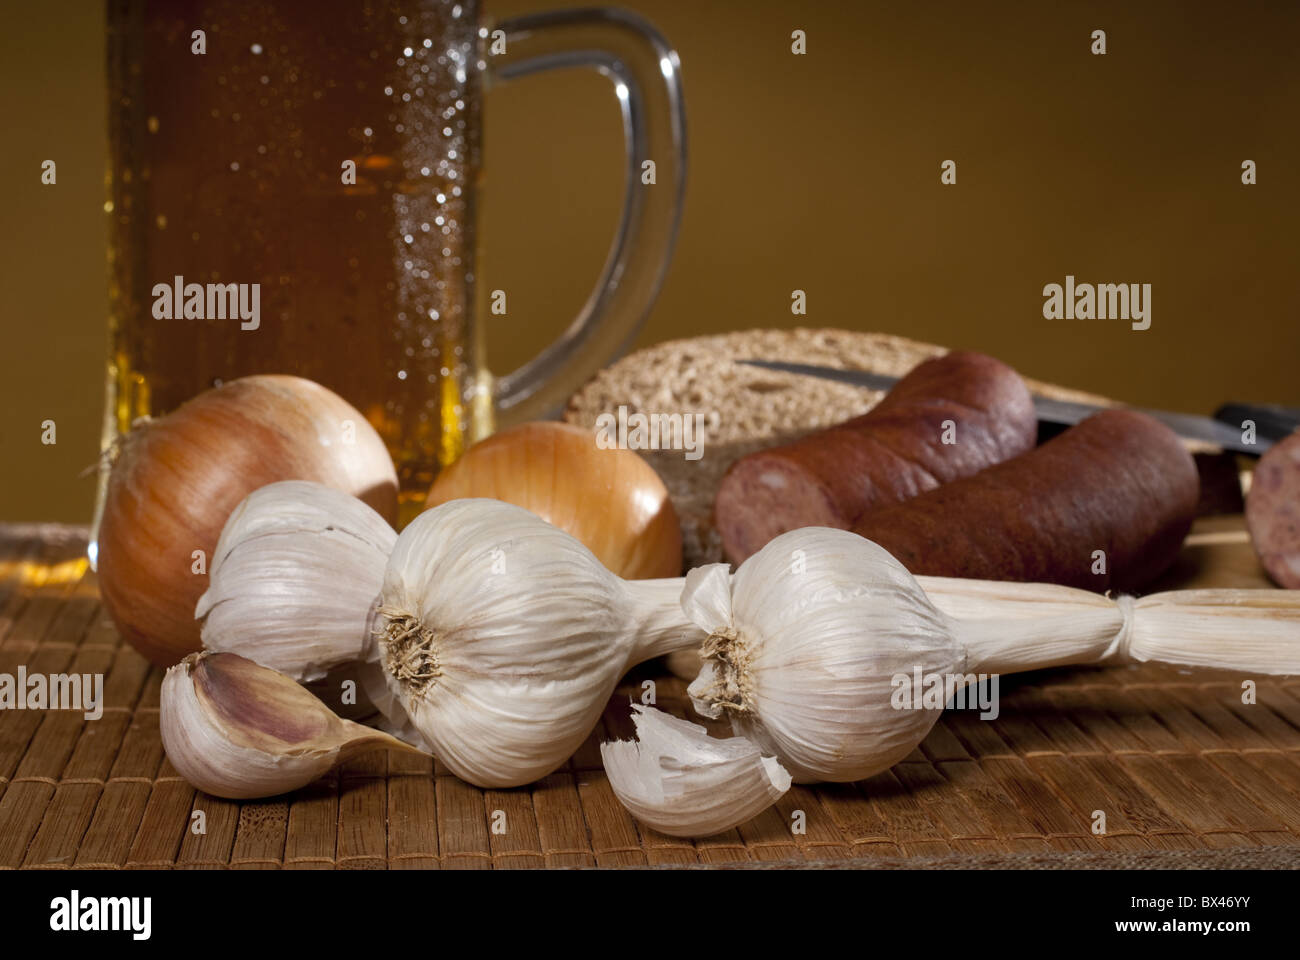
(295, 579)
(238, 730)
(804, 644)
(503, 637)
(677, 779)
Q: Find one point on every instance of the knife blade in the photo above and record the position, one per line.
(1190, 426)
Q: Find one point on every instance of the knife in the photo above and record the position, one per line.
(1190, 426)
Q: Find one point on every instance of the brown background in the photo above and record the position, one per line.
(818, 172)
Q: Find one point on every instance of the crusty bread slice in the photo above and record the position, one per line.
(747, 408)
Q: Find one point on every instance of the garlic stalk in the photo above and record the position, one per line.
(502, 637)
(1013, 627)
(235, 729)
(682, 782)
(295, 578)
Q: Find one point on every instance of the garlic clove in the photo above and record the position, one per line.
(295, 579)
(235, 729)
(677, 779)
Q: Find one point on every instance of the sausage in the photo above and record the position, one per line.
(1273, 512)
(893, 452)
(1119, 482)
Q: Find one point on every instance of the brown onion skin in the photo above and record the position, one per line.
(176, 479)
(610, 500)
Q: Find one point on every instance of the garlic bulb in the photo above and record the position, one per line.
(610, 499)
(502, 637)
(235, 729)
(176, 478)
(294, 581)
(679, 780)
(810, 638)
(802, 647)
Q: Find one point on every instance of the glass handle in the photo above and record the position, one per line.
(646, 75)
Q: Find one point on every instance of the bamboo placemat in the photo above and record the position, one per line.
(1185, 772)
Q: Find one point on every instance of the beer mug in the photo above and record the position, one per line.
(294, 187)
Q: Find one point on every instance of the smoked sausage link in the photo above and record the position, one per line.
(1273, 512)
(891, 453)
(1119, 482)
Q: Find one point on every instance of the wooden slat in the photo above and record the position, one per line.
(209, 833)
(463, 818)
(118, 814)
(512, 831)
(560, 825)
(412, 822)
(164, 825)
(260, 835)
(66, 821)
(613, 831)
(22, 808)
(362, 826)
(310, 842)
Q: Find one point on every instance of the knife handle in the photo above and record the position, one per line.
(1272, 422)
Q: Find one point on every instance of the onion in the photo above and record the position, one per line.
(611, 500)
(175, 480)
